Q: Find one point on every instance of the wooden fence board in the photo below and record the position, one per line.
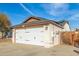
(71, 38)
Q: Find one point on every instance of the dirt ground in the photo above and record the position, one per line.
(9, 49)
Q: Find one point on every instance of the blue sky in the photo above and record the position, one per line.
(17, 13)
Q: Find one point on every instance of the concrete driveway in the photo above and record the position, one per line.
(9, 49)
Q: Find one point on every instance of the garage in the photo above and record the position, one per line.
(33, 36)
(37, 31)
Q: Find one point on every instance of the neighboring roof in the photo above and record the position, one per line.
(77, 29)
(62, 22)
(42, 21)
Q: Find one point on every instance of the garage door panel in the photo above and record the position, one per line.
(33, 36)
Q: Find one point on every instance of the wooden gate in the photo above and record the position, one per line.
(71, 38)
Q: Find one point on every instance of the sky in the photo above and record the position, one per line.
(18, 12)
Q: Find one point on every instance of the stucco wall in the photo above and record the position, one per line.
(66, 27)
(55, 34)
(49, 35)
(42, 35)
(13, 36)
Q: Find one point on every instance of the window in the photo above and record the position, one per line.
(22, 25)
(53, 40)
(42, 31)
(26, 40)
(46, 28)
(20, 37)
(34, 38)
(57, 32)
(27, 32)
(42, 41)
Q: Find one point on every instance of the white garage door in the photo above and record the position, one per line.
(33, 36)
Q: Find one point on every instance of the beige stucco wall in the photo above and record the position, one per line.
(66, 27)
(47, 38)
(55, 34)
(13, 35)
(52, 33)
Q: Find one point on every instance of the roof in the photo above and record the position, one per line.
(39, 18)
(77, 29)
(42, 21)
(62, 22)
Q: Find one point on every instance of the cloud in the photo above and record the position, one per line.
(26, 9)
(74, 20)
(74, 17)
(62, 11)
(56, 9)
(60, 5)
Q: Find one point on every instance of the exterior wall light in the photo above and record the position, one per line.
(76, 32)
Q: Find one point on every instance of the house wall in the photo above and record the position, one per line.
(55, 34)
(42, 35)
(47, 35)
(13, 36)
(66, 27)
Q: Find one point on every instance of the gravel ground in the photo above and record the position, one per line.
(9, 49)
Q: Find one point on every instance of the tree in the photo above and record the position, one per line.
(4, 24)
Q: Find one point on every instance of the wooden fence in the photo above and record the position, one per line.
(71, 38)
